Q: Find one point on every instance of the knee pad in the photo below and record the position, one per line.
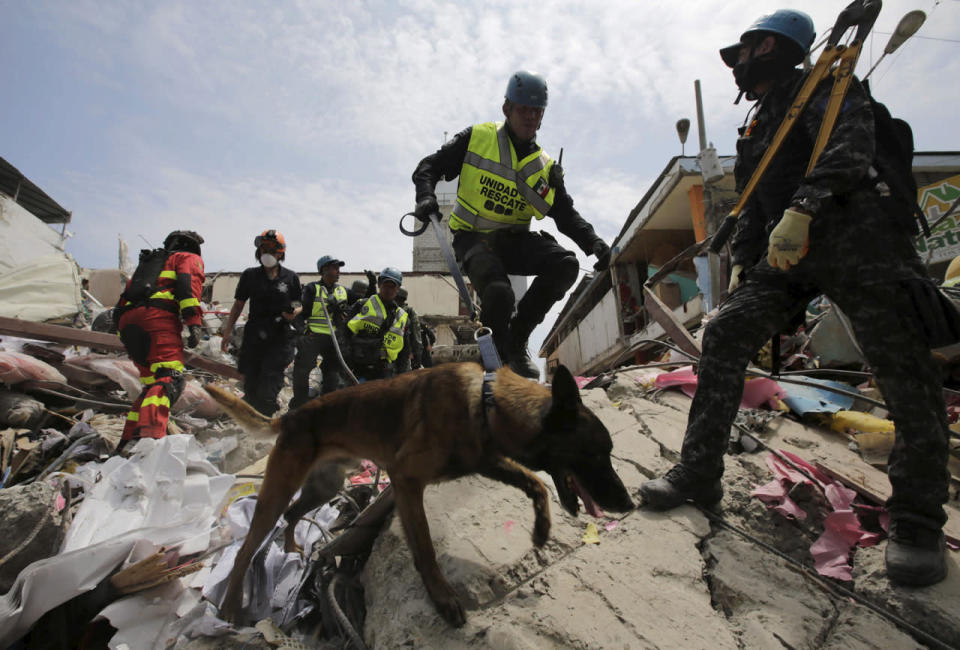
(498, 296)
(496, 305)
(565, 273)
(137, 342)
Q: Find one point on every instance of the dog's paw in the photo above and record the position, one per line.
(541, 531)
(230, 610)
(451, 610)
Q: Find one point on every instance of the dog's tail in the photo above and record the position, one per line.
(253, 421)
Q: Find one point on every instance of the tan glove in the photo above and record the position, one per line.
(790, 240)
(735, 277)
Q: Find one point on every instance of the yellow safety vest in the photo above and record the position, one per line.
(317, 322)
(370, 319)
(496, 190)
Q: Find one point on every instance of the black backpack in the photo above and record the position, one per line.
(146, 277)
(894, 164)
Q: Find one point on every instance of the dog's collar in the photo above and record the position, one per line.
(487, 391)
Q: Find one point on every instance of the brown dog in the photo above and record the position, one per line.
(430, 426)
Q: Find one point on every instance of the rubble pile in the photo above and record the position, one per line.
(144, 542)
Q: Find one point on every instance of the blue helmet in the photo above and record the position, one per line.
(794, 26)
(328, 259)
(390, 273)
(527, 89)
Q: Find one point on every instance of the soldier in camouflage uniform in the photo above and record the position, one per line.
(799, 236)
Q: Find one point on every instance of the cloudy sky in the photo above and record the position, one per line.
(229, 117)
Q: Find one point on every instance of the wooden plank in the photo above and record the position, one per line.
(74, 336)
(256, 468)
(674, 328)
(875, 485)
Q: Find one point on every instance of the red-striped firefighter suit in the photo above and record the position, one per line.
(151, 335)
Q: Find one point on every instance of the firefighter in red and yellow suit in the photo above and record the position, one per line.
(150, 331)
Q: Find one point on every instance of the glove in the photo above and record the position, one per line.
(193, 339)
(425, 207)
(790, 240)
(735, 277)
(555, 177)
(371, 278)
(602, 252)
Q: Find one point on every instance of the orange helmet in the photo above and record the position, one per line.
(270, 241)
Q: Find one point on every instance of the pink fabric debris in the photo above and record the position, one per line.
(583, 381)
(831, 551)
(196, 401)
(366, 476)
(756, 392)
(120, 370)
(842, 530)
(16, 367)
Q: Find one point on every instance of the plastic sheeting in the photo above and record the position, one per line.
(165, 494)
(166, 482)
(273, 580)
(756, 391)
(809, 399)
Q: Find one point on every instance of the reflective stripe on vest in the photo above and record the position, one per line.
(371, 316)
(370, 320)
(317, 322)
(496, 190)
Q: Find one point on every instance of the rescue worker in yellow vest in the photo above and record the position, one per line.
(317, 339)
(506, 180)
(378, 329)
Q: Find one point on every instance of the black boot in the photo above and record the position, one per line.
(678, 486)
(518, 355)
(915, 554)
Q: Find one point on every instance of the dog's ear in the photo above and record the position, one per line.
(566, 395)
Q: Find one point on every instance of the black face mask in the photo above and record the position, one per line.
(755, 71)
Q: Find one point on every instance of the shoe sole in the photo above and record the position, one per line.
(670, 504)
(918, 580)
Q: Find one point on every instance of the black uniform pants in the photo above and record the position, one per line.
(262, 363)
(487, 259)
(889, 334)
(309, 347)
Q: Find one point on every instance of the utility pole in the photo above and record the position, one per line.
(711, 171)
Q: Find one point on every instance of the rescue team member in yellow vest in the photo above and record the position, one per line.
(317, 339)
(378, 329)
(505, 181)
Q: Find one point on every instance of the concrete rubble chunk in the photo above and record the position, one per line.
(25, 507)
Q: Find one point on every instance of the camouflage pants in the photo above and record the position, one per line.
(888, 332)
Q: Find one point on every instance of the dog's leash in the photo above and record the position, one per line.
(333, 335)
(483, 335)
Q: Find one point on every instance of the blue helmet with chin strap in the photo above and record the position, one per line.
(392, 274)
(328, 259)
(527, 89)
(794, 26)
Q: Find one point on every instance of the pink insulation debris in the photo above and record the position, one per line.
(16, 367)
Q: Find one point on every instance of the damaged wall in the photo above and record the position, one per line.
(38, 280)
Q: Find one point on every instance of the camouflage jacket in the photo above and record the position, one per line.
(827, 193)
